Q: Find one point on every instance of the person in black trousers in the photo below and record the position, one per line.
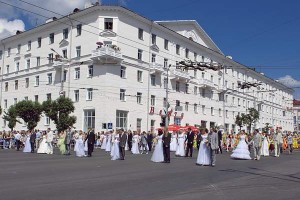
(149, 140)
(189, 143)
(32, 141)
(129, 140)
(220, 141)
(90, 141)
(198, 139)
(166, 146)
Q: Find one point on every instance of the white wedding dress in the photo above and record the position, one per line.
(135, 145)
(204, 152)
(241, 151)
(173, 145)
(180, 151)
(80, 147)
(43, 148)
(115, 151)
(158, 154)
(108, 143)
(265, 147)
(27, 147)
(104, 142)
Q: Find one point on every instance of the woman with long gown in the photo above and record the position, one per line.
(180, 151)
(204, 151)
(27, 146)
(115, 152)
(158, 154)
(135, 144)
(80, 146)
(173, 145)
(104, 142)
(43, 148)
(61, 143)
(241, 151)
(108, 143)
(265, 146)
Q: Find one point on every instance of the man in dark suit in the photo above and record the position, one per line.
(198, 139)
(90, 141)
(149, 140)
(189, 143)
(32, 141)
(129, 140)
(67, 142)
(220, 141)
(122, 143)
(166, 145)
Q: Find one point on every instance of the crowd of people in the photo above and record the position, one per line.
(182, 142)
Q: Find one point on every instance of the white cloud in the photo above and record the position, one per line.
(289, 81)
(8, 28)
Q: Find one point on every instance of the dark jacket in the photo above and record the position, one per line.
(32, 137)
(190, 138)
(166, 140)
(149, 138)
(123, 139)
(91, 138)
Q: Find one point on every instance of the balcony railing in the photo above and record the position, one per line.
(207, 83)
(156, 68)
(179, 74)
(107, 55)
(58, 64)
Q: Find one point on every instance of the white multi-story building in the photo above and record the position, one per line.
(296, 110)
(115, 70)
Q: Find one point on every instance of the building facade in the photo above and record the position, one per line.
(115, 66)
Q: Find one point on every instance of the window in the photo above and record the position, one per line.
(212, 78)
(7, 69)
(89, 119)
(48, 96)
(76, 95)
(16, 84)
(138, 124)
(36, 98)
(195, 56)
(165, 63)
(123, 72)
(177, 120)
(122, 95)
(65, 33)
(51, 38)
(39, 42)
(78, 51)
(195, 73)
(108, 24)
(140, 54)
(166, 44)
(239, 103)
(152, 125)
(141, 34)
(177, 86)
(233, 100)
(152, 101)
(139, 76)
(1, 53)
(47, 120)
(49, 77)
(195, 108)
(203, 110)
(17, 66)
(5, 103)
(177, 103)
(38, 61)
(187, 51)
(19, 49)
(195, 90)
(89, 94)
(90, 71)
(165, 102)
(65, 53)
(79, 29)
(50, 58)
(77, 73)
(26, 82)
(121, 119)
(27, 63)
(165, 83)
(226, 98)
(153, 79)
(203, 75)
(65, 76)
(226, 113)
(186, 106)
(15, 101)
(153, 58)
(220, 112)
(203, 92)
(186, 88)
(153, 39)
(212, 113)
(37, 81)
(29, 46)
(177, 49)
(8, 51)
(139, 97)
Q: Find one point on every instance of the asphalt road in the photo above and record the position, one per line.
(32, 176)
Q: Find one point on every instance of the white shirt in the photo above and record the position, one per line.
(18, 136)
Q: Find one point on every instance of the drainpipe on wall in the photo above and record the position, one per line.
(3, 56)
(70, 55)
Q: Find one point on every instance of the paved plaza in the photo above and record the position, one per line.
(35, 176)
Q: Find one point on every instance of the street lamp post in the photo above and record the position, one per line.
(167, 98)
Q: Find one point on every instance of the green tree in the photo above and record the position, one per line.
(239, 120)
(59, 112)
(30, 112)
(11, 117)
(251, 118)
(0, 110)
(266, 128)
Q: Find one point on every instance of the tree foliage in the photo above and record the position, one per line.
(59, 112)
(251, 118)
(30, 112)
(11, 117)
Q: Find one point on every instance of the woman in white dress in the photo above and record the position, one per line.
(158, 154)
(180, 151)
(173, 145)
(80, 146)
(104, 141)
(241, 151)
(43, 148)
(85, 143)
(108, 143)
(265, 145)
(135, 144)
(204, 151)
(27, 146)
(115, 152)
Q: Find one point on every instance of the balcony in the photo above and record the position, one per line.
(107, 55)
(221, 88)
(57, 65)
(156, 68)
(207, 84)
(180, 75)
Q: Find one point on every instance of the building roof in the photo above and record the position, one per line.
(296, 102)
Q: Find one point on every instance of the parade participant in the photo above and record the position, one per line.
(256, 144)
(265, 145)
(180, 144)
(166, 140)
(189, 143)
(204, 150)
(213, 145)
(158, 154)
(241, 151)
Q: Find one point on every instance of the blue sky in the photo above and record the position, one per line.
(258, 33)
